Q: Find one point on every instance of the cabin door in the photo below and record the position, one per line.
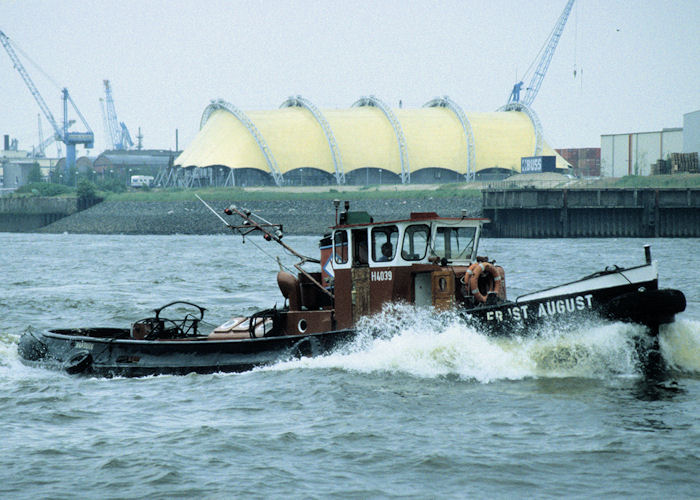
(443, 289)
(360, 275)
(360, 293)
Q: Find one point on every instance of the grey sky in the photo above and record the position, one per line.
(637, 62)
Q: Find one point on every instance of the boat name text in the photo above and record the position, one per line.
(544, 309)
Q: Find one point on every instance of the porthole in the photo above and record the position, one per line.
(301, 326)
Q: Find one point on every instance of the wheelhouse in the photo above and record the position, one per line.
(416, 260)
(425, 238)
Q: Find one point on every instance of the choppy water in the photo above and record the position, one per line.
(429, 409)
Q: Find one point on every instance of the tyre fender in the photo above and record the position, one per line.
(306, 347)
(78, 362)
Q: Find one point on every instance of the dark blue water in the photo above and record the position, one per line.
(433, 410)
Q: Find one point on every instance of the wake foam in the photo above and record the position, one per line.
(405, 340)
(680, 345)
(11, 368)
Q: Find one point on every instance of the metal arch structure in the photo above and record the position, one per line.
(398, 131)
(446, 102)
(301, 102)
(536, 125)
(218, 104)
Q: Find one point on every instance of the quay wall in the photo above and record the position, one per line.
(32, 213)
(514, 213)
(589, 213)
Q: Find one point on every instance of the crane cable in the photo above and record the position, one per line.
(526, 75)
(575, 39)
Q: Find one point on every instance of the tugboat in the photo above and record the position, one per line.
(426, 260)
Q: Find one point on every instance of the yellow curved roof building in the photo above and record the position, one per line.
(365, 136)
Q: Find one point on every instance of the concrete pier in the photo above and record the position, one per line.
(590, 213)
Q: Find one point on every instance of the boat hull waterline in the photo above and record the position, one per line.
(110, 352)
(86, 351)
(425, 261)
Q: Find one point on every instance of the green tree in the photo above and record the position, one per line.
(70, 179)
(86, 189)
(34, 173)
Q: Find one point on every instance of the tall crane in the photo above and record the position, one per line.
(105, 122)
(547, 51)
(115, 130)
(70, 139)
(40, 150)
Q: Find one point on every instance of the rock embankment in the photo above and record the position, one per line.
(192, 217)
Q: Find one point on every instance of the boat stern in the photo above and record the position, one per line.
(30, 347)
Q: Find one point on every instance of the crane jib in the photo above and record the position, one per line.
(70, 139)
(547, 52)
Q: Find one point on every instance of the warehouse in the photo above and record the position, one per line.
(639, 153)
(635, 153)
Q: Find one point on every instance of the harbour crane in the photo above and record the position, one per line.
(41, 147)
(70, 139)
(40, 150)
(547, 51)
(115, 130)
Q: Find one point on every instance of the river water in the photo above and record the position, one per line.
(429, 409)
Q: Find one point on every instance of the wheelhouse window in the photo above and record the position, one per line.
(415, 242)
(454, 243)
(340, 247)
(384, 243)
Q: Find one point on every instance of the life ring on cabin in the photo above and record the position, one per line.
(492, 280)
(78, 362)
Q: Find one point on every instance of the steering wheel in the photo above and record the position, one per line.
(179, 329)
(201, 309)
(161, 325)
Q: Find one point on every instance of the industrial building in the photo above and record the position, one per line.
(691, 132)
(367, 143)
(144, 161)
(584, 161)
(15, 165)
(83, 164)
(635, 153)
